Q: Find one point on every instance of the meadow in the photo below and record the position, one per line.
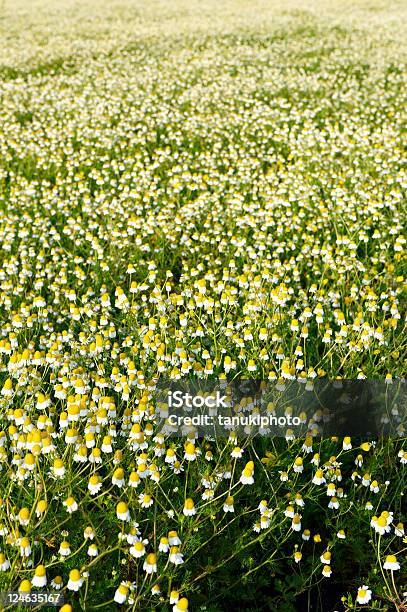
(199, 190)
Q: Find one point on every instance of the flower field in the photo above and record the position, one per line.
(199, 191)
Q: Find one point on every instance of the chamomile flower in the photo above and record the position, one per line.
(176, 556)
(296, 522)
(4, 563)
(138, 549)
(326, 558)
(75, 580)
(70, 505)
(247, 474)
(189, 507)
(391, 563)
(92, 551)
(145, 500)
(364, 595)
(40, 577)
(94, 484)
(121, 593)
(150, 564)
(64, 549)
(122, 511)
(190, 452)
(25, 547)
(181, 605)
(57, 583)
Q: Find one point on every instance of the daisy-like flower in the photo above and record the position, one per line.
(122, 511)
(163, 545)
(181, 605)
(190, 452)
(333, 503)
(75, 580)
(70, 505)
(173, 538)
(189, 507)
(208, 494)
(399, 530)
(88, 533)
(298, 500)
(57, 583)
(331, 489)
(315, 459)
(307, 446)
(64, 549)
(118, 477)
(175, 556)
(296, 522)
(177, 467)
(247, 474)
(7, 390)
(93, 551)
(237, 452)
(4, 563)
(403, 457)
(121, 593)
(306, 534)
(380, 524)
(264, 522)
(391, 563)
(24, 516)
(59, 468)
(170, 456)
(326, 558)
(364, 595)
(289, 511)
(94, 484)
(138, 549)
(145, 500)
(346, 444)
(40, 577)
(25, 548)
(228, 505)
(326, 571)
(41, 508)
(134, 480)
(297, 556)
(25, 586)
(107, 444)
(134, 534)
(318, 478)
(150, 564)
